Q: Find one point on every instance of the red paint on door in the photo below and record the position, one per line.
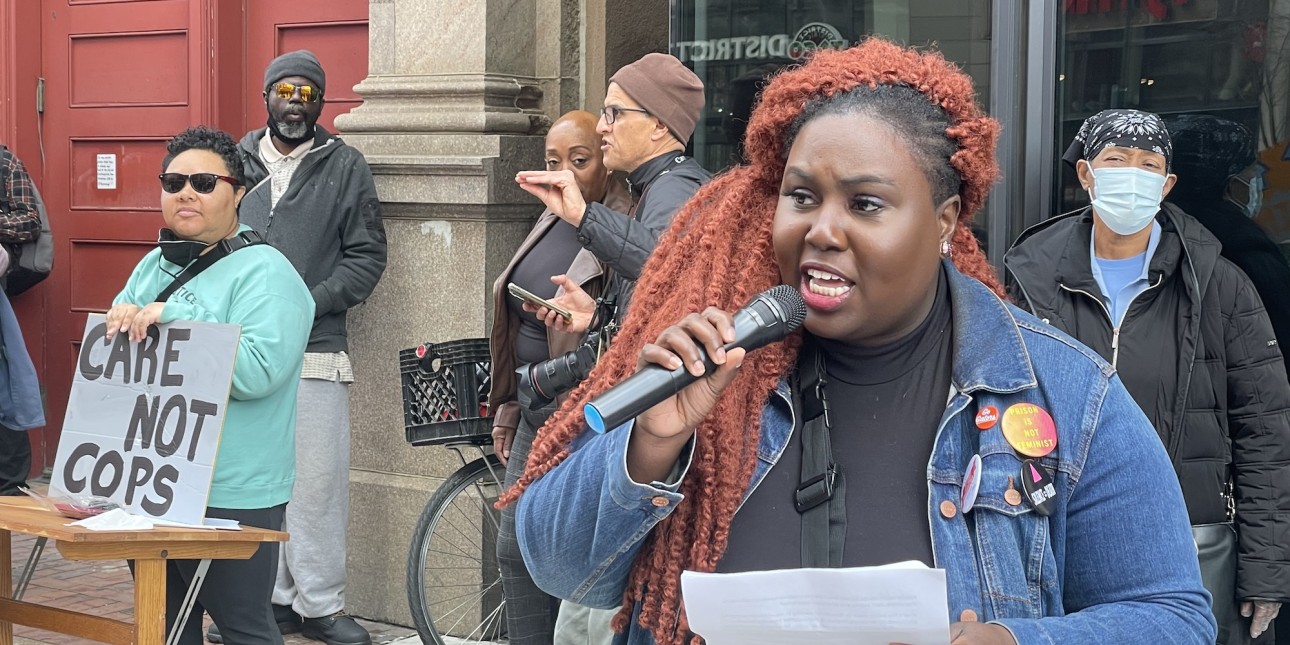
(121, 79)
(334, 30)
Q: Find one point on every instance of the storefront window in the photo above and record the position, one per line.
(1227, 59)
(734, 44)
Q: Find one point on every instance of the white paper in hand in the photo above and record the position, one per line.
(899, 603)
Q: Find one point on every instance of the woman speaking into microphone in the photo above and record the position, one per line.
(917, 416)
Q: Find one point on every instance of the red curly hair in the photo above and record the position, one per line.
(718, 252)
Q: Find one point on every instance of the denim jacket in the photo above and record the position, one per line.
(1114, 562)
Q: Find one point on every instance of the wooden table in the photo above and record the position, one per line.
(148, 548)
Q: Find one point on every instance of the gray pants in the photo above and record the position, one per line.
(311, 566)
(579, 625)
(530, 612)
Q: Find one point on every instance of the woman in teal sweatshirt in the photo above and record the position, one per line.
(254, 287)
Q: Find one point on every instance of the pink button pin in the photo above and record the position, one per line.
(971, 484)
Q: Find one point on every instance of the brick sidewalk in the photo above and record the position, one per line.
(105, 589)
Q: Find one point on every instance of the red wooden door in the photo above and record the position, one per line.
(334, 30)
(121, 79)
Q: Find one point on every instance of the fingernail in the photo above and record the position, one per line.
(720, 356)
(674, 362)
(698, 367)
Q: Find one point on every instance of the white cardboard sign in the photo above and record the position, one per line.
(144, 419)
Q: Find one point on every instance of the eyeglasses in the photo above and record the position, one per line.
(202, 182)
(610, 114)
(308, 93)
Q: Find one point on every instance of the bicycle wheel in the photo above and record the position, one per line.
(454, 585)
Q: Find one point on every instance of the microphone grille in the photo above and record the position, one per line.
(790, 302)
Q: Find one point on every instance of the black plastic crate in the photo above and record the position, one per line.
(445, 392)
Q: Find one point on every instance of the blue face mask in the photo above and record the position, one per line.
(1254, 203)
(1126, 199)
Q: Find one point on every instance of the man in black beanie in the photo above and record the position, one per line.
(312, 197)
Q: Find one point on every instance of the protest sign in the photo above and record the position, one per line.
(144, 419)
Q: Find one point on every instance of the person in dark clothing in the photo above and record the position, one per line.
(651, 109)
(312, 197)
(865, 167)
(19, 223)
(1144, 286)
(517, 338)
(1208, 152)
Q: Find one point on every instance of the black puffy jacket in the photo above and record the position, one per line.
(1199, 356)
(659, 188)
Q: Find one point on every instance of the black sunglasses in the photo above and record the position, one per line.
(202, 182)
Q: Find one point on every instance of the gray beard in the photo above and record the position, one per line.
(290, 130)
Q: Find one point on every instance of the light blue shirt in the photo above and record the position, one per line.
(1123, 280)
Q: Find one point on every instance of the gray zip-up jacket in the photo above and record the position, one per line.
(327, 223)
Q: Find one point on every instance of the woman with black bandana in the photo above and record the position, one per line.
(1145, 287)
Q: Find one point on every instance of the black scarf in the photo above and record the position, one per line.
(178, 251)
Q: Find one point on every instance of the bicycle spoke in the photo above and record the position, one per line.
(454, 582)
(465, 535)
(480, 595)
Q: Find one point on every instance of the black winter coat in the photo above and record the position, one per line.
(1199, 356)
(659, 188)
(1251, 250)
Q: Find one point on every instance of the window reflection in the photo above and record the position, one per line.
(733, 45)
(1228, 59)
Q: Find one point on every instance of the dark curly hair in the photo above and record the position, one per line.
(718, 252)
(205, 138)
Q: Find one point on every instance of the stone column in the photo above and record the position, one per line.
(453, 108)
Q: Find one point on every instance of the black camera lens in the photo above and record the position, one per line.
(540, 383)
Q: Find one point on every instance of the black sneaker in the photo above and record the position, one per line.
(288, 623)
(288, 620)
(336, 629)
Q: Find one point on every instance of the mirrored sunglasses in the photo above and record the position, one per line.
(308, 93)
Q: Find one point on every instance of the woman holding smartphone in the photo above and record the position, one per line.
(549, 258)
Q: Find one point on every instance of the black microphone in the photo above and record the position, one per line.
(772, 315)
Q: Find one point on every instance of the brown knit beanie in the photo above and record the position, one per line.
(666, 89)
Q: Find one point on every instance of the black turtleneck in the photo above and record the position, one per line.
(886, 404)
(550, 256)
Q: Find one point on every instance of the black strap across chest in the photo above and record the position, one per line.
(222, 250)
(820, 497)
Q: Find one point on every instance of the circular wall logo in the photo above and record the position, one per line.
(815, 36)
